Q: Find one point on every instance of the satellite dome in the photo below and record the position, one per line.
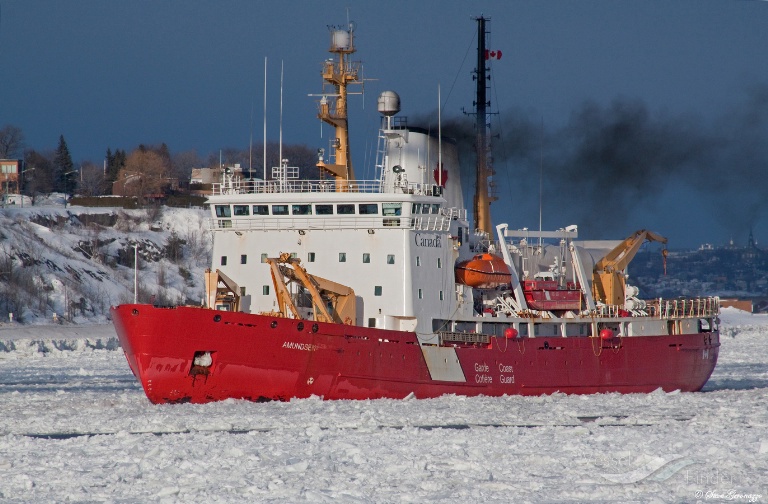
(389, 103)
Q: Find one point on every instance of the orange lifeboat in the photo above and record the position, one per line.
(484, 271)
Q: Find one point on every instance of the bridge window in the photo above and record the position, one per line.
(279, 209)
(240, 210)
(324, 209)
(366, 258)
(302, 210)
(435, 209)
(260, 210)
(223, 211)
(391, 209)
(368, 208)
(345, 209)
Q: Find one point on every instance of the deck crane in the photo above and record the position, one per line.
(331, 301)
(608, 276)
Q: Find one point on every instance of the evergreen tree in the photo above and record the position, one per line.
(39, 180)
(165, 153)
(115, 163)
(62, 167)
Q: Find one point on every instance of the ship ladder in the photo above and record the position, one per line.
(381, 151)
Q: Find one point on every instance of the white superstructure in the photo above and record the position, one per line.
(394, 240)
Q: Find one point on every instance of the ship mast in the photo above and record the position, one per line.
(484, 171)
(337, 73)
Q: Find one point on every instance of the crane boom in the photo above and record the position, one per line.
(331, 301)
(608, 280)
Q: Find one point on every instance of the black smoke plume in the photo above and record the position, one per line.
(609, 162)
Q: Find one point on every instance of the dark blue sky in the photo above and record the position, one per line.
(687, 78)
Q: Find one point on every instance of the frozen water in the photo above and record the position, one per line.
(76, 426)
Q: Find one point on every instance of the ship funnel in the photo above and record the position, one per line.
(389, 103)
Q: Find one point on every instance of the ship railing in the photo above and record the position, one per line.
(703, 307)
(700, 307)
(430, 223)
(420, 189)
(423, 223)
(241, 186)
(294, 186)
(455, 213)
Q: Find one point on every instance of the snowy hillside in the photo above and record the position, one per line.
(76, 262)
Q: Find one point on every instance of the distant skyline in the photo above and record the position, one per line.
(633, 113)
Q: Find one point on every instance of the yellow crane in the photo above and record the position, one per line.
(331, 301)
(608, 276)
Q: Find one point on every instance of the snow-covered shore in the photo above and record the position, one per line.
(70, 264)
(76, 426)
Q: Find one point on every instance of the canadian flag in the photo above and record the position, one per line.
(441, 175)
(492, 55)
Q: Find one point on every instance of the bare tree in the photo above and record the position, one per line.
(92, 180)
(182, 165)
(297, 155)
(11, 142)
(228, 156)
(145, 173)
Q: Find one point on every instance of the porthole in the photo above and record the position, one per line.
(217, 318)
(300, 326)
(273, 324)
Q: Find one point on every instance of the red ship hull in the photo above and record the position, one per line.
(258, 357)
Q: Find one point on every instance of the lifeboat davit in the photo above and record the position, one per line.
(484, 271)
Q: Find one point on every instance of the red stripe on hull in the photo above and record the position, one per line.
(253, 360)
